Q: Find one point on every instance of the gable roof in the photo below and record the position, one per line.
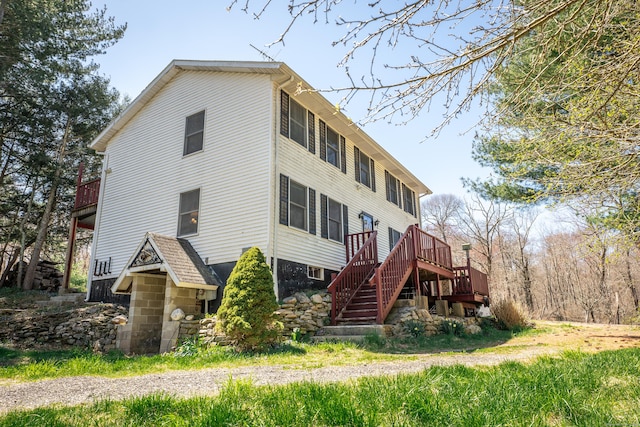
(288, 80)
(167, 254)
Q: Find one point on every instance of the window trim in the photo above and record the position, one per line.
(320, 271)
(182, 213)
(200, 131)
(409, 200)
(389, 178)
(371, 173)
(305, 208)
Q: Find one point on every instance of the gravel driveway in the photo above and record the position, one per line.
(87, 389)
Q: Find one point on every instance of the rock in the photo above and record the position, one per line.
(177, 314)
(189, 317)
(473, 329)
(290, 300)
(316, 299)
(302, 298)
(119, 320)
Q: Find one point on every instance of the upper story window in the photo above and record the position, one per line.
(409, 200)
(194, 133)
(297, 205)
(189, 209)
(393, 188)
(332, 147)
(365, 169)
(297, 123)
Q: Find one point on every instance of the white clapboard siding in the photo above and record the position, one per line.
(148, 171)
(310, 170)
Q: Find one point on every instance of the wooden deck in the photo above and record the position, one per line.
(418, 258)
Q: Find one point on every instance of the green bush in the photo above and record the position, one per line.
(414, 328)
(452, 327)
(246, 315)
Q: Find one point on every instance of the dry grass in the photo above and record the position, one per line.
(510, 315)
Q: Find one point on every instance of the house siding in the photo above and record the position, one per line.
(147, 171)
(310, 170)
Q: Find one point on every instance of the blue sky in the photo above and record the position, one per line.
(160, 31)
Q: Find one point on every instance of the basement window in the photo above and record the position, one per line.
(316, 273)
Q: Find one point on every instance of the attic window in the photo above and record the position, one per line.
(194, 133)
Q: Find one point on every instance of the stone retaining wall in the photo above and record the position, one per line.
(88, 327)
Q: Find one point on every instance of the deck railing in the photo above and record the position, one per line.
(469, 281)
(87, 194)
(359, 268)
(389, 278)
(432, 249)
(353, 243)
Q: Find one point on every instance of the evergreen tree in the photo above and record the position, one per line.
(246, 315)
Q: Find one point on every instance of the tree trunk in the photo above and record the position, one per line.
(12, 260)
(46, 217)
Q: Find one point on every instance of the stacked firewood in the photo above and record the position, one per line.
(47, 277)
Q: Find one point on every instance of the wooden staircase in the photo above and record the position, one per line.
(363, 307)
(365, 290)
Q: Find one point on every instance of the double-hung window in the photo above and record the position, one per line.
(297, 205)
(394, 237)
(334, 215)
(409, 200)
(332, 147)
(189, 210)
(297, 123)
(194, 133)
(393, 188)
(365, 169)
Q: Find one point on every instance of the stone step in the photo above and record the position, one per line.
(349, 330)
(333, 338)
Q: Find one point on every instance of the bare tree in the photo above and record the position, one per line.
(440, 213)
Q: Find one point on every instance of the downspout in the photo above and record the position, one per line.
(96, 228)
(276, 171)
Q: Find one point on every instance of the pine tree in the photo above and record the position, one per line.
(246, 315)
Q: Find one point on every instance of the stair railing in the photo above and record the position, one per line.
(359, 268)
(391, 275)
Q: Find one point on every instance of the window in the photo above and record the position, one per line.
(333, 219)
(367, 221)
(365, 169)
(333, 148)
(297, 123)
(409, 200)
(394, 237)
(393, 188)
(189, 207)
(194, 133)
(316, 273)
(297, 205)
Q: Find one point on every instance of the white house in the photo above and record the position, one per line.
(223, 156)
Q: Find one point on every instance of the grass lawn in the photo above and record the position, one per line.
(28, 365)
(574, 389)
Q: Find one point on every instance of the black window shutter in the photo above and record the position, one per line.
(323, 140)
(387, 184)
(312, 211)
(312, 132)
(284, 199)
(415, 205)
(324, 224)
(343, 154)
(356, 161)
(284, 113)
(373, 175)
(404, 197)
(345, 222)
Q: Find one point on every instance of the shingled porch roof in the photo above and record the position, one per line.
(176, 257)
